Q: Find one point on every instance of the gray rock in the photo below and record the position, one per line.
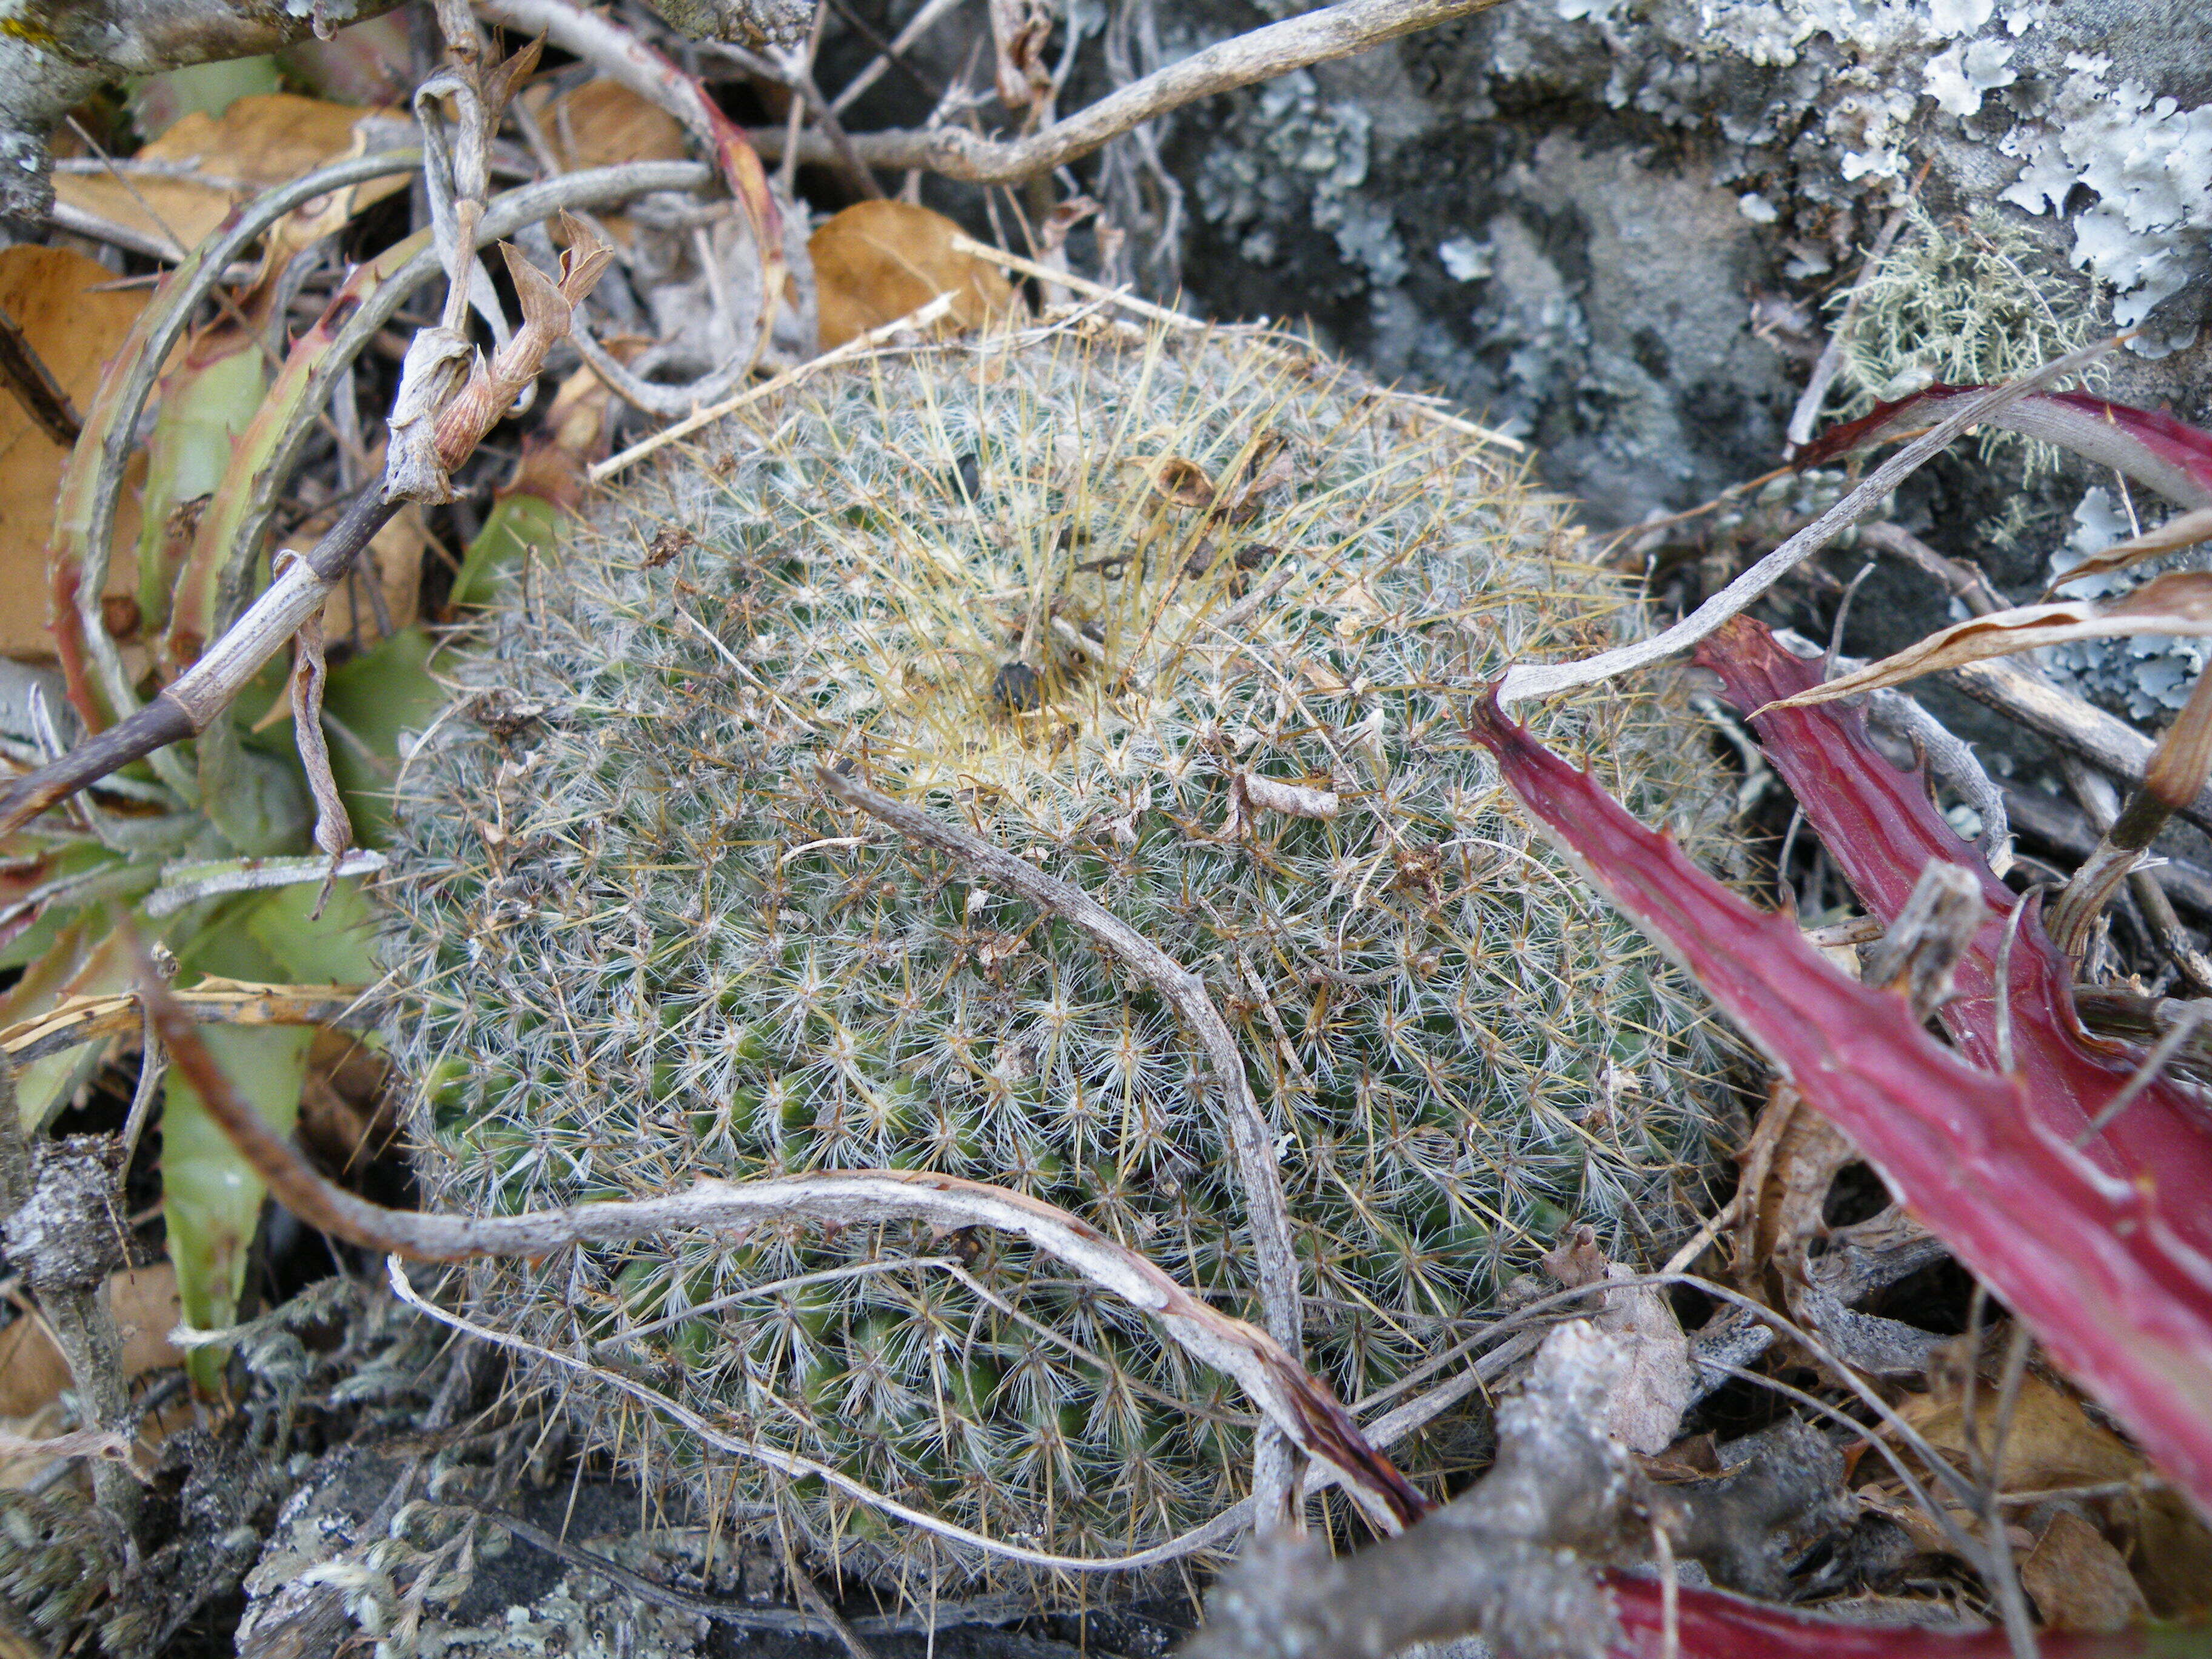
(1612, 223)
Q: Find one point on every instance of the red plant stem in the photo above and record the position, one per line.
(1712, 1625)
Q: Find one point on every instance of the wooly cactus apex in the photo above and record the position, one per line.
(1182, 620)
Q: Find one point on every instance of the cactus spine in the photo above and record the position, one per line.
(1183, 621)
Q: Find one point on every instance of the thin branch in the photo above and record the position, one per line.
(34, 386)
(1249, 1136)
(1301, 1408)
(1527, 680)
(1338, 30)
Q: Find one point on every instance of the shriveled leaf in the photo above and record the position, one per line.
(2179, 602)
(2183, 530)
(50, 294)
(877, 261)
(2091, 1263)
(2170, 456)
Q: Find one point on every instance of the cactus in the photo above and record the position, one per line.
(1183, 620)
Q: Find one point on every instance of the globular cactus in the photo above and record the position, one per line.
(1184, 620)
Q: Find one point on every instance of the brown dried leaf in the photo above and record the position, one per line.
(2180, 602)
(1179, 481)
(48, 291)
(2176, 533)
(2078, 1580)
(2052, 1441)
(877, 261)
(144, 1300)
(603, 124)
(259, 141)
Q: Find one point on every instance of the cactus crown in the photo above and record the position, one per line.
(1078, 591)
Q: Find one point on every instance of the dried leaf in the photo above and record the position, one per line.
(877, 261)
(2183, 530)
(2179, 602)
(1181, 482)
(2079, 1581)
(33, 1372)
(2170, 456)
(259, 141)
(2051, 1442)
(603, 124)
(1019, 31)
(48, 291)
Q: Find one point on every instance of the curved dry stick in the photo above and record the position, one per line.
(1292, 1400)
(1527, 680)
(1207, 1535)
(1250, 1140)
(1250, 1137)
(1338, 30)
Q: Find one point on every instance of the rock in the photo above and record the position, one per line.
(1614, 223)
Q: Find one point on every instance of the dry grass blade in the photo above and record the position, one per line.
(2185, 530)
(2180, 602)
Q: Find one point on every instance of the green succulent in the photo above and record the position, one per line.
(1111, 600)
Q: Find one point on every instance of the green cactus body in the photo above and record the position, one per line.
(1077, 592)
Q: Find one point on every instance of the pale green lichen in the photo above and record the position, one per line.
(636, 945)
(1965, 301)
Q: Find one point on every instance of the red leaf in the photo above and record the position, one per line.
(1711, 1625)
(2091, 1263)
(1879, 825)
(2170, 456)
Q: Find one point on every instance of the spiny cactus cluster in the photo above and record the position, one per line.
(1110, 600)
(59, 1558)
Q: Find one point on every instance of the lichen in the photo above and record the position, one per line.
(1963, 301)
(2149, 163)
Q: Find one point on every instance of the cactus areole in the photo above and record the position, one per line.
(1184, 620)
